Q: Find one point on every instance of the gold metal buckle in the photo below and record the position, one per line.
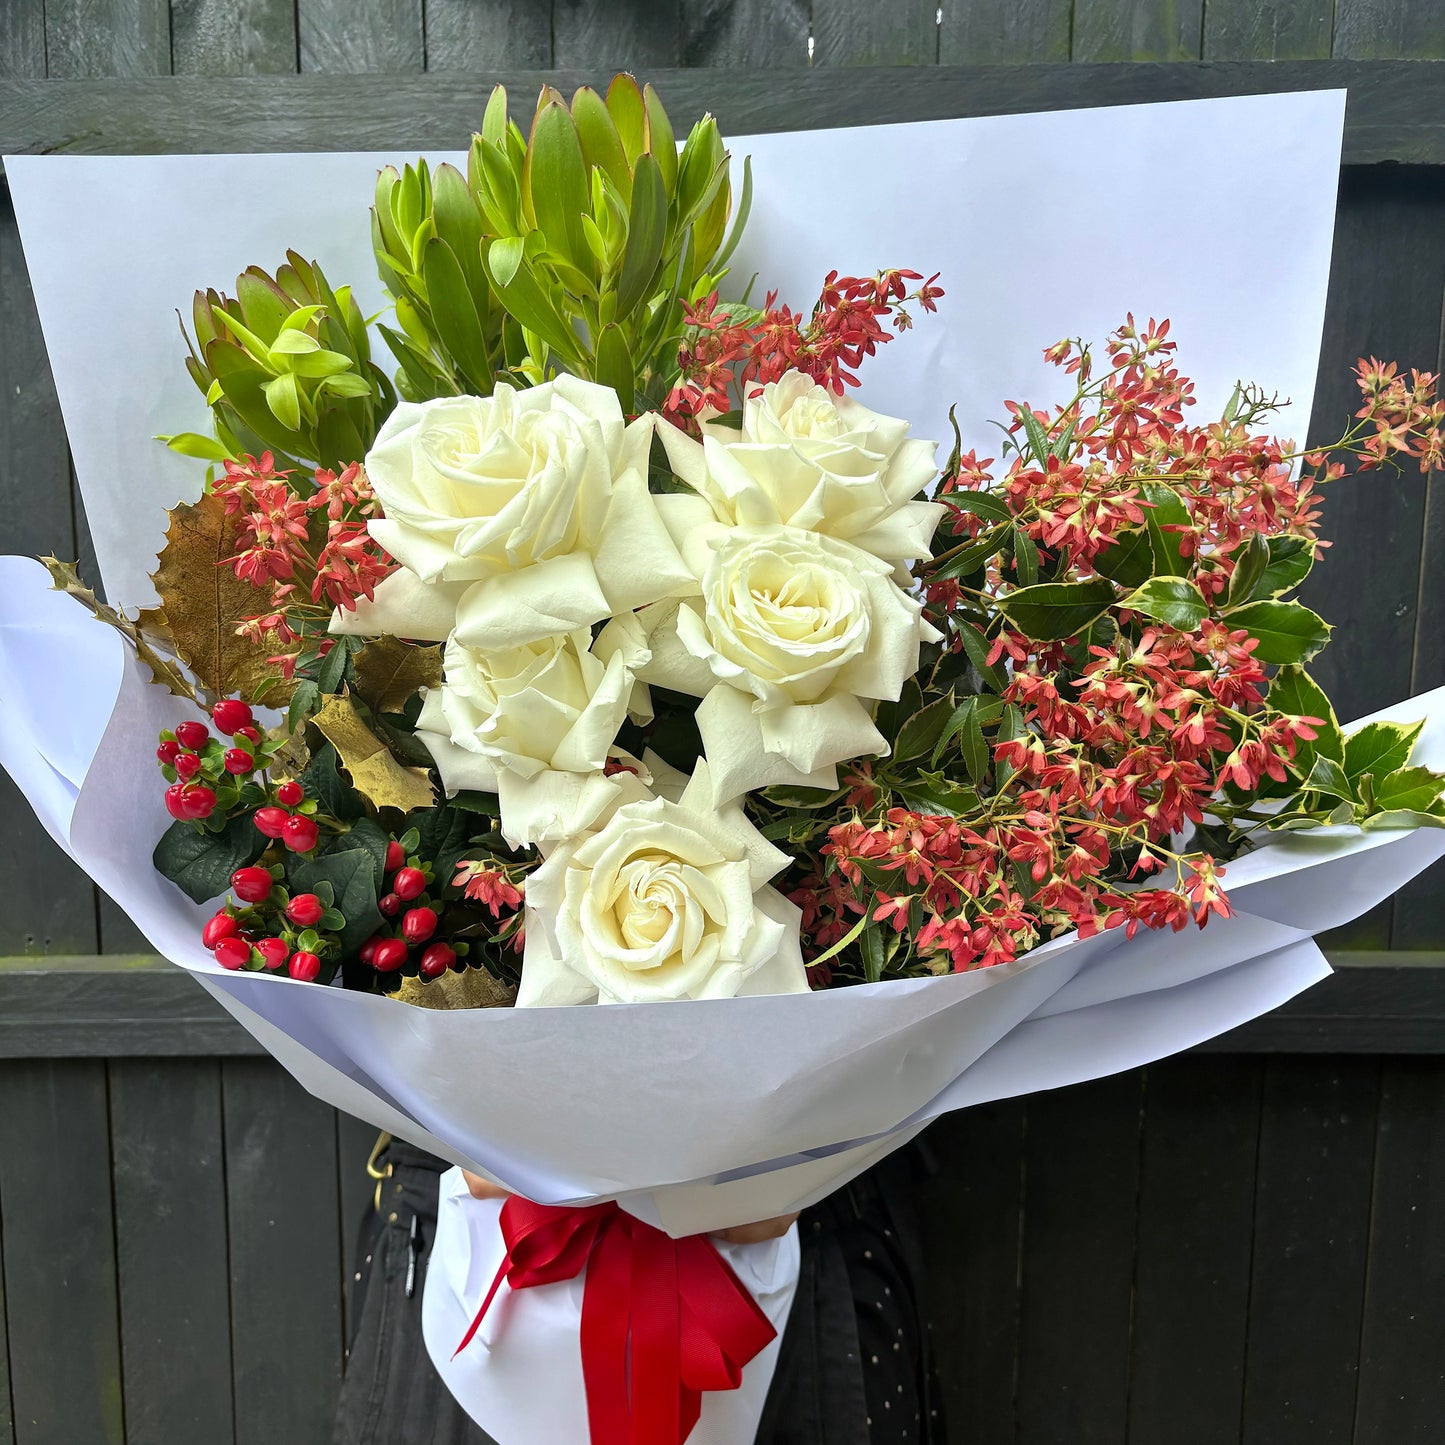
(373, 1171)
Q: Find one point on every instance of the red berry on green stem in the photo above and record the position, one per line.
(238, 761)
(217, 928)
(395, 856)
(198, 801)
(390, 954)
(193, 735)
(304, 910)
(233, 952)
(419, 925)
(174, 806)
(187, 765)
(168, 752)
(304, 966)
(409, 883)
(273, 950)
(291, 793)
(367, 952)
(252, 735)
(271, 821)
(299, 834)
(389, 904)
(436, 960)
(230, 715)
(251, 885)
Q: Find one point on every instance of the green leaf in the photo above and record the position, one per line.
(1287, 631)
(367, 833)
(284, 400)
(1416, 790)
(333, 669)
(1165, 509)
(351, 874)
(1130, 560)
(601, 143)
(304, 701)
(872, 948)
(971, 556)
(459, 224)
(323, 781)
(1402, 818)
(1294, 692)
(523, 297)
(1052, 611)
(1328, 777)
(1290, 560)
(200, 863)
(1250, 561)
(921, 731)
(1037, 438)
(555, 175)
(977, 646)
(661, 142)
(965, 725)
(892, 716)
(1379, 748)
(193, 444)
(1174, 601)
(455, 315)
(614, 366)
(646, 235)
(931, 792)
(1026, 557)
(981, 504)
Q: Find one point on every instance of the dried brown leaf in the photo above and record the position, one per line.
(389, 672)
(375, 773)
(471, 988)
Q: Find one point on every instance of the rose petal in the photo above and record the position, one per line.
(558, 595)
(403, 606)
(739, 763)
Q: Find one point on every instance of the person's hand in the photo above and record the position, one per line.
(759, 1233)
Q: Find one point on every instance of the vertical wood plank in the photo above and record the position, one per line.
(284, 1222)
(60, 1289)
(1389, 30)
(621, 34)
(1402, 1363)
(1196, 1217)
(973, 1219)
(1311, 1228)
(170, 1229)
(1282, 30)
(233, 37)
(85, 39)
(1004, 32)
(22, 39)
(745, 32)
(7, 1416)
(359, 37)
(478, 34)
(1137, 29)
(1080, 1209)
(861, 32)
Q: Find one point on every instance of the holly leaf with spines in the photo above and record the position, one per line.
(389, 672)
(375, 773)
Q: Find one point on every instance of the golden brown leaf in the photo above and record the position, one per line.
(203, 601)
(375, 773)
(471, 988)
(390, 671)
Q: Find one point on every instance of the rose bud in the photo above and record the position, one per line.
(174, 806)
(409, 883)
(395, 856)
(168, 752)
(436, 960)
(418, 925)
(198, 801)
(291, 793)
(217, 928)
(230, 715)
(187, 765)
(193, 735)
(273, 950)
(251, 885)
(389, 904)
(271, 821)
(304, 910)
(299, 834)
(233, 952)
(304, 966)
(390, 955)
(238, 761)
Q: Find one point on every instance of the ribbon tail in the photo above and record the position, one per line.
(606, 1323)
(658, 1391)
(476, 1324)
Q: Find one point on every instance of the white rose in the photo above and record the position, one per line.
(515, 516)
(803, 457)
(534, 724)
(791, 632)
(663, 900)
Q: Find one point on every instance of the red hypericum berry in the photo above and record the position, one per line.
(304, 910)
(409, 883)
(174, 806)
(271, 821)
(419, 925)
(304, 966)
(217, 928)
(233, 952)
(252, 735)
(299, 834)
(291, 793)
(230, 715)
(238, 761)
(193, 735)
(169, 751)
(395, 856)
(198, 801)
(367, 951)
(273, 950)
(251, 885)
(389, 956)
(436, 960)
(389, 904)
(187, 765)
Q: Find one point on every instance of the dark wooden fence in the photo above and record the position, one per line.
(1243, 1244)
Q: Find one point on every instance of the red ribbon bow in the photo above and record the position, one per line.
(663, 1319)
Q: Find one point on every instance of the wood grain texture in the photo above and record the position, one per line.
(361, 37)
(745, 32)
(1284, 30)
(233, 37)
(1080, 1209)
(60, 1279)
(487, 34)
(1191, 1272)
(902, 32)
(1311, 1236)
(170, 1232)
(1005, 32)
(1402, 1365)
(1386, 29)
(636, 35)
(95, 38)
(22, 38)
(1137, 29)
(285, 1255)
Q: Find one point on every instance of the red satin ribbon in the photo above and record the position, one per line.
(663, 1319)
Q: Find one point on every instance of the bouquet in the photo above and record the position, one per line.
(600, 646)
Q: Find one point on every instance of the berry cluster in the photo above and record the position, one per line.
(412, 915)
(271, 929)
(209, 776)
